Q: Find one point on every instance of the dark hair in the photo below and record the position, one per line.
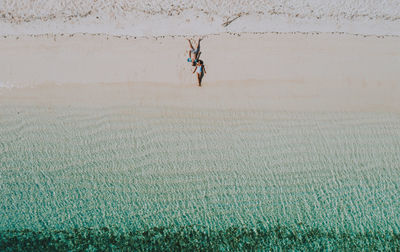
(201, 62)
(193, 63)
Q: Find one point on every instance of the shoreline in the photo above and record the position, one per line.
(223, 96)
(107, 142)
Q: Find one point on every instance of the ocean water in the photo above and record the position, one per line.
(166, 178)
(190, 17)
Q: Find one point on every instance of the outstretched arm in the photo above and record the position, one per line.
(195, 69)
(204, 69)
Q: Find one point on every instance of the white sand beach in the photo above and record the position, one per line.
(291, 143)
(275, 72)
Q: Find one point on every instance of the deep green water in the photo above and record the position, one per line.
(173, 178)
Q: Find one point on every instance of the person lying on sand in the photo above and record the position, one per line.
(194, 54)
(200, 70)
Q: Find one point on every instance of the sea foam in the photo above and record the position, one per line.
(172, 17)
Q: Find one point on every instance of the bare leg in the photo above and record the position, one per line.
(198, 45)
(199, 79)
(191, 48)
(198, 55)
(190, 44)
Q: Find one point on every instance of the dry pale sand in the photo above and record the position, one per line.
(185, 17)
(277, 72)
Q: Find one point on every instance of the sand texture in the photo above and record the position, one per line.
(184, 17)
(303, 72)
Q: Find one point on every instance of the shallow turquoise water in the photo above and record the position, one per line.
(142, 168)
